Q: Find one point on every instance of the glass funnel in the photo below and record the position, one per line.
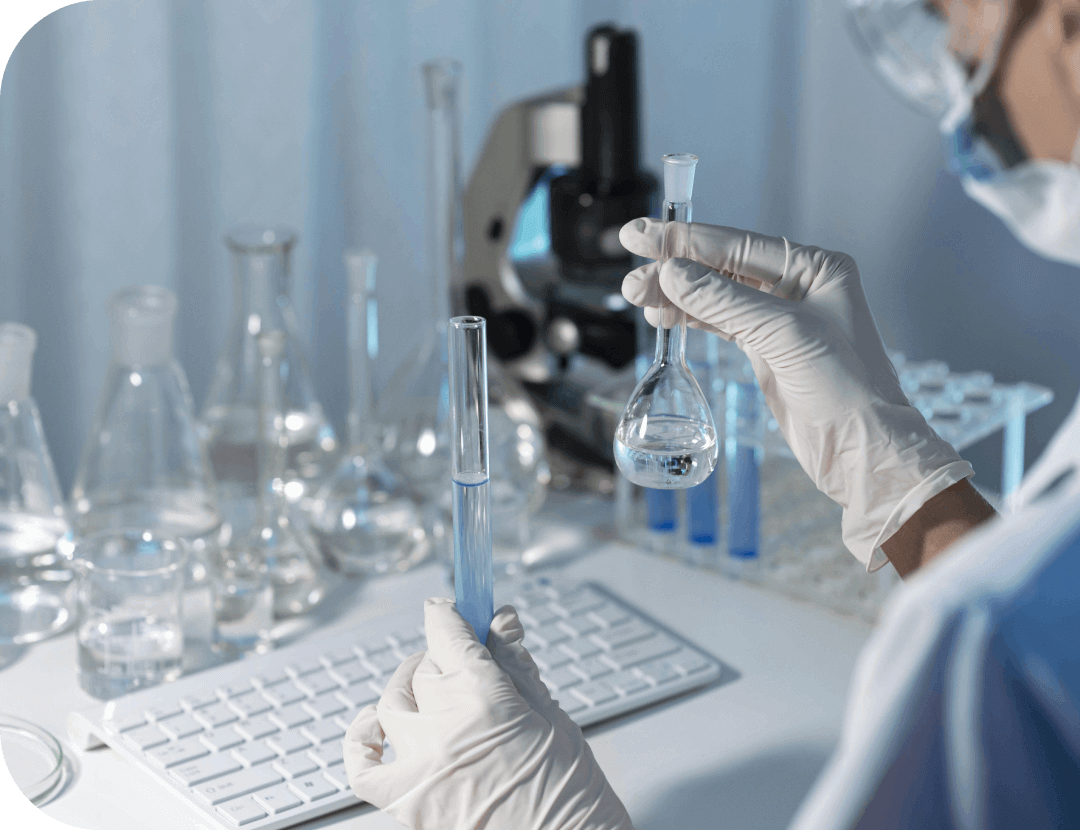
(35, 540)
(666, 438)
(364, 516)
(289, 552)
(142, 464)
(230, 416)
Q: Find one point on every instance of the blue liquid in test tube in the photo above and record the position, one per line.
(744, 450)
(703, 514)
(662, 510)
(473, 571)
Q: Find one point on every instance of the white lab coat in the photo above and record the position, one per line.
(964, 709)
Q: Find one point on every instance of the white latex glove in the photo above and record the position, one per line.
(479, 743)
(800, 315)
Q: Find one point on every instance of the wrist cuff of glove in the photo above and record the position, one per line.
(929, 487)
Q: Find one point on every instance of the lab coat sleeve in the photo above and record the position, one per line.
(965, 706)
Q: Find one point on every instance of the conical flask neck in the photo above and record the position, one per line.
(261, 260)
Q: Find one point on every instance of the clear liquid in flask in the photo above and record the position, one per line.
(674, 453)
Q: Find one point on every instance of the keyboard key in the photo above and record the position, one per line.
(236, 784)
(580, 649)
(595, 693)
(234, 689)
(198, 700)
(578, 603)
(323, 706)
(217, 715)
(204, 769)
(379, 685)
(178, 752)
(337, 656)
(626, 682)
(538, 616)
(591, 669)
(372, 645)
(383, 662)
(283, 694)
(255, 752)
(163, 712)
(609, 615)
(550, 658)
(357, 696)
(322, 731)
(242, 811)
(181, 727)
(561, 679)
(219, 739)
(659, 672)
(571, 704)
(304, 666)
(549, 635)
(248, 706)
(624, 635)
(127, 720)
(257, 727)
(579, 626)
(329, 754)
(530, 598)
(286, 743)
(294, 766)
(145, 737)
(649, 649)
(337, 775)
(313, 787)
(349, 673)
(345, 719)
(690, 662)
(268, 678)
(407, 638)
(291, 716)
(316, 683)
(277, 799)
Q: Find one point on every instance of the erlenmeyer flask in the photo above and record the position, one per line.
(666, 438)
(288, 551)
(142, 464)
(35, 538)
(364, 516)
(230, 416)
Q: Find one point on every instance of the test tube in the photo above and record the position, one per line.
(744, 450)
(473, 572)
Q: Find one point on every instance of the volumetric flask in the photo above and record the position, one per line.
(473, 570)
(230, 416)
(290, 554)
(666, 438)
(35, 538)
(364, 515)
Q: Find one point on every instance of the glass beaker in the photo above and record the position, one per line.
(131, 630)
(35, 537)
(230, 416)
(364, 516)
(291, 557)
(666, 438)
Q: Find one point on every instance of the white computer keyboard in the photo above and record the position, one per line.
(257, 743)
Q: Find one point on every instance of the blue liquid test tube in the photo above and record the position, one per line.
(743, 447)
(473, 571)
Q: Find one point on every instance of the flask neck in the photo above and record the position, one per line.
(671, 345)
(17, 344)
(362, 314)
(273, 437)
(261, 287)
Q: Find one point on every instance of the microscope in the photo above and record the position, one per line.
(557, 321)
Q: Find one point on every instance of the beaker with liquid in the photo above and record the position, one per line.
(229, 422)
(666, 438)
(36, 579)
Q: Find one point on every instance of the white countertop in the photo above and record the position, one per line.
(741, 753)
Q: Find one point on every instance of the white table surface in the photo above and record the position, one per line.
(740, 753)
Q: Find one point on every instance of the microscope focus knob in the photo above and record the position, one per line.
(563, 336)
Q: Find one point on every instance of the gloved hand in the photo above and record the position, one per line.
(479, 742)
(800, 315)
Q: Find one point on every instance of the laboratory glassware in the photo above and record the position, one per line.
(131, 631)
(35, 538)
(703, 500)
(364, 517)
(666, 438)
(744, 449)
(33, 756)
(289, 552)
(473, 571)
(143, 464)
(261, 258)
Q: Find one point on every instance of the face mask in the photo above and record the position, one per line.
(1039, 201)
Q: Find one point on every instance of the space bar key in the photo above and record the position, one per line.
(241, 783)
(648, 649)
